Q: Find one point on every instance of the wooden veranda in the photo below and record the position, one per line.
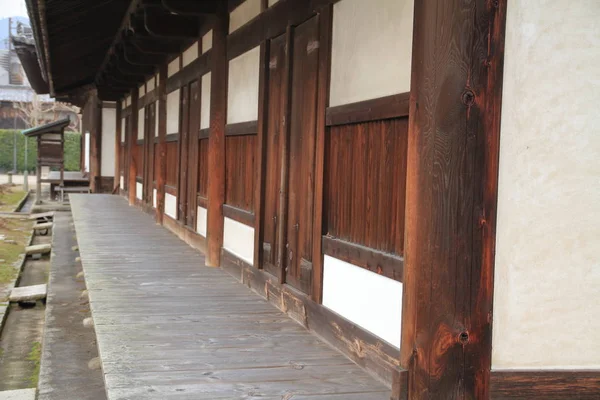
(167, 326)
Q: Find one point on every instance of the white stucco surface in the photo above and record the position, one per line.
(272, 2)
(123, 130)
(141, 123)
(151, 84)
(242, 98)
(205, 102)
(171, 205)
(238, 239)
(371, 49)
(141, 91)
(139, 191)
(371, 301)
(154, 198)
(109, 125)
(173, 112)
(243, 13)
(207, 41)
(173, 67)
(547, 271)
(202, 221)
(190, 54)
(156, 105)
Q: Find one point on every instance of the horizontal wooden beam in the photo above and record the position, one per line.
(241, 128)
(203, 134)
(545, 384)
(149, 98)
(395, 106)
(165, 25)
(201, 201)
(172, 190)
(190, 73)
(386, 264)
(186, 7)
(172, 137)
(239, 215)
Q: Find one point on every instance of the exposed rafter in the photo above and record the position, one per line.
(170, 26)
(185, 7)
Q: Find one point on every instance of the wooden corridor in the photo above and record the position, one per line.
(168, 327)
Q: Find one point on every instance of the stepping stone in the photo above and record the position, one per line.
(42, 226)
(28, 293)
(38, 249)
(23, 394)
(45, 216)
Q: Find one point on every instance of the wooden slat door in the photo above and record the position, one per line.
(305, 62)
(272, 168)
(183, 155)
(193, 130)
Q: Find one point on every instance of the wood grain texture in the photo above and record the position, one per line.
(203, 167)
(229, 344)
(216, 140)
(133, 128)
(365, 184)
(394, 106)
(190, 72)
(547, 385)
(171, 163)
(161, 176)
(237, 214)
(239, 171)
(241, 128)
(454, 127)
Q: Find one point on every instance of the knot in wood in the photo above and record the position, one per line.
(464, 337)
(468, 97)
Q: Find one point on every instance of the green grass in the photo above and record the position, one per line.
(19, 231)
(35, 355)
(10, 197)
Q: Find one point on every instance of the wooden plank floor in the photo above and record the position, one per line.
(170, 328)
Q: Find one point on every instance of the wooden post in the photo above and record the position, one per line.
(452, 183)
(132, 143)
(325, 27)
(117, 180)
(216, 138)
(162, 143)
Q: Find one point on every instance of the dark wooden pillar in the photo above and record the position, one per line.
(132, 145)
(216, 138)
(161, 176)
(95, 128)
(117, 180)
(454, 128)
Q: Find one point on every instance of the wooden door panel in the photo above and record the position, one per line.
(183, 155)
(302, 155)
(193, 129)
(273, 157)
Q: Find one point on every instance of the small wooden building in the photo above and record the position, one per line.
(51, 151)
(347, 155)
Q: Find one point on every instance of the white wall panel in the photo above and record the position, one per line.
(202, 221)
(173, 112)
(173, 67)
(242, 98)
(190, 54)
(139, 191)
(141, 91)
(141, 122)
(109, 124)
(154, 198)
(156, 105)
(207, 41)
(243, 14)
(205, 102)
(371, 301)
(150, 85)
(121, 182)
(123, 125)
(547, 269)
(171, 205)
(238, 239)
(371, 49)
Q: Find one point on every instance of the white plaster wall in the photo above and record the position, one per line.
(173, 67)
(139, 191)
(121, 182)
(202, 221)
(109, 123)
(156, 105)
(141, 91)
(141, 122)
(547, 270)
(171, 205)
(242, 99)
(154, 198)
(238, 239)
(173, 112)
(207, 41)
(205, 102)
(272, 2)
(122, 130)
(371, 301)
(190, 54)
(128, 100)
(243, 13)
(151, 84)
(86, 153)
(371, 49)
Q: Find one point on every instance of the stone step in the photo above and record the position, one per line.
(28, 293)
(42, 226)
(45, 216)
(22, 394)
(38, 249)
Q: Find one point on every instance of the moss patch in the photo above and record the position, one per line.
(14, 230)
(35, 355)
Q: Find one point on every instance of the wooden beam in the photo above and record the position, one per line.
(117, 181)
(216, 140)
(190, 72)
(170, 26)
(239, 215)
(395, 106)
(241, 128)
(161, 177)
(452, 184)
(186, 7)
(545, 384)
(325, 31)
(135, 57)
(133, 118)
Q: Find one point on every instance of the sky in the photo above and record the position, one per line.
(12, 8)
